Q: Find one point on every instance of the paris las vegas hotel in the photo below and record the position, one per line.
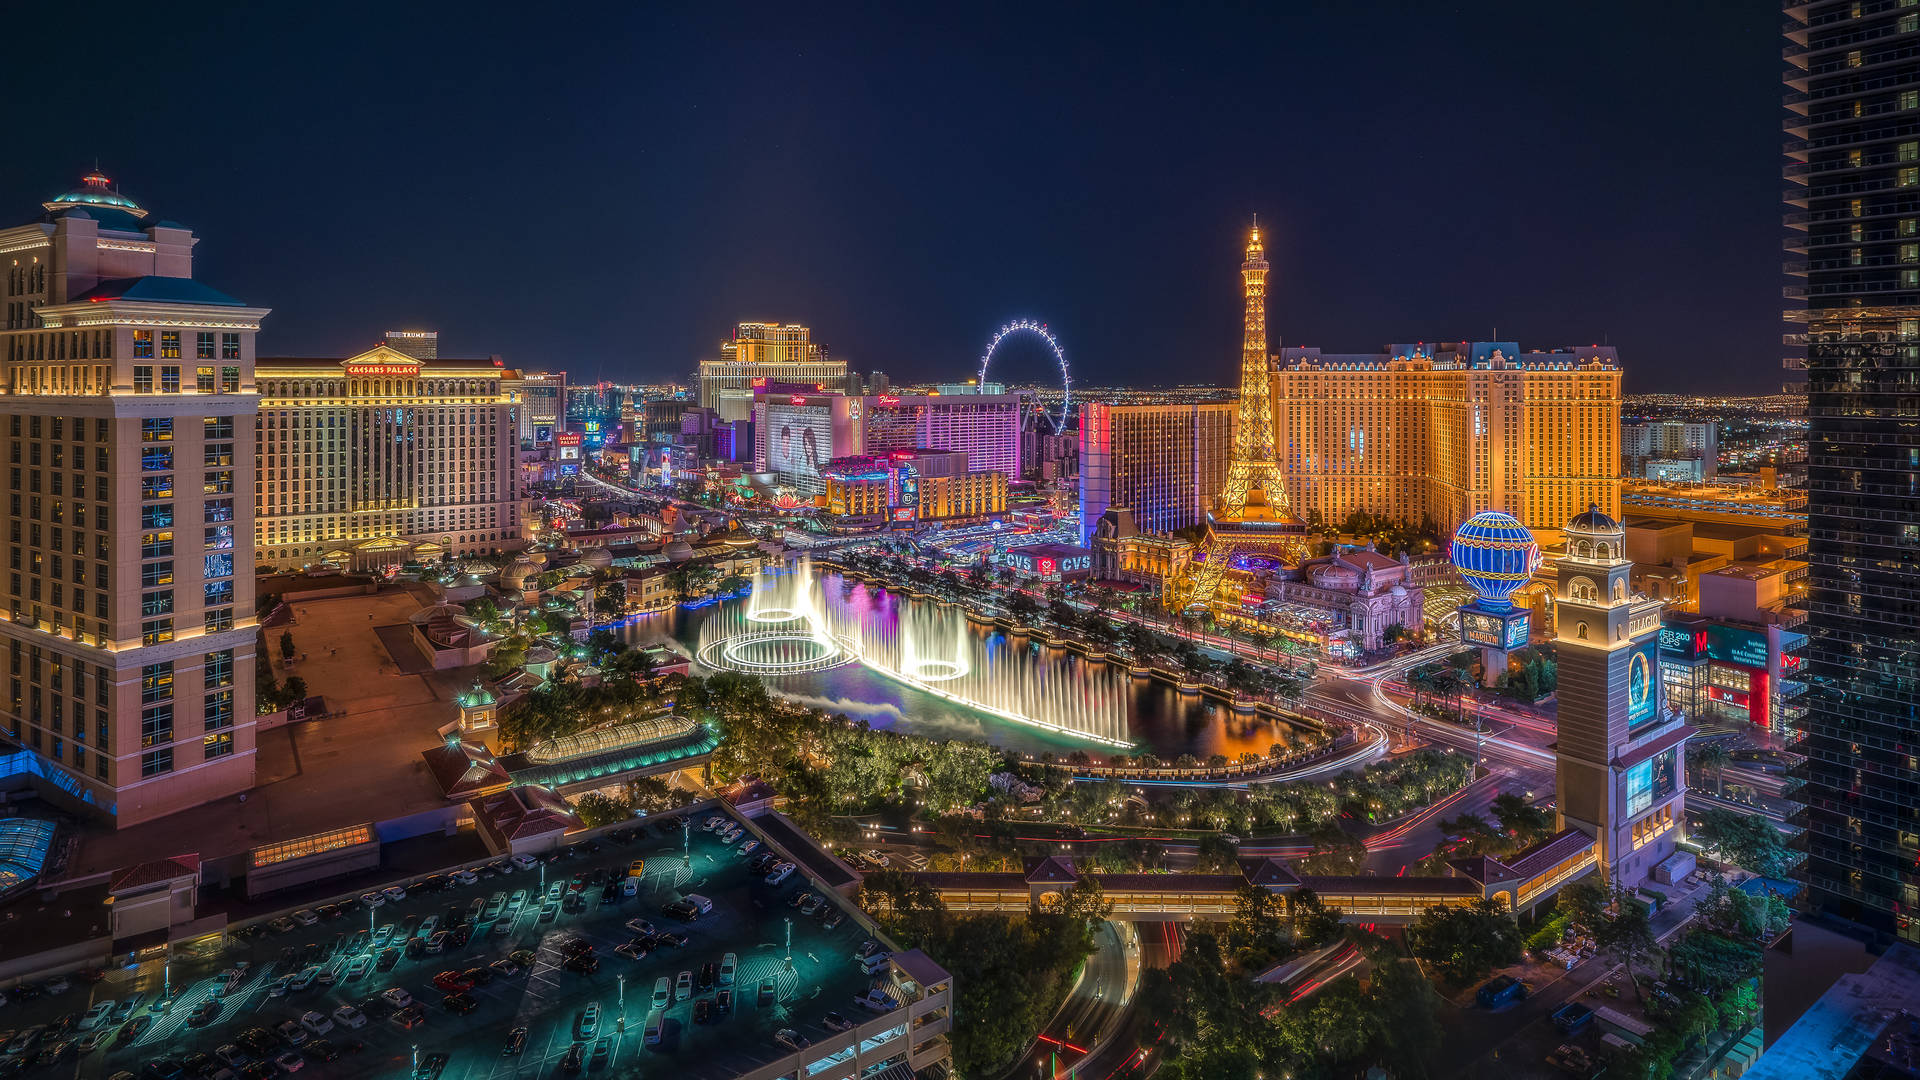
(153, 462)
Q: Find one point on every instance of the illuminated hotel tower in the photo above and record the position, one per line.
(1618, 762)
(129, 402)
(1251, 514)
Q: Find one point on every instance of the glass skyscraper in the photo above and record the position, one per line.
(1853, 144)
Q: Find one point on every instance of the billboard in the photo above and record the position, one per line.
(1643, 683)
(1683, 640)
(799, 438)
(1493, 629)
(1735, 645)
(1652, 780)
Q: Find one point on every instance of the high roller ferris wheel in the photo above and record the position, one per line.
(1058, 420)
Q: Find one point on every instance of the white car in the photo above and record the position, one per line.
(524, 861)
(662, 993)
(305, 917)
(372, 899)
(316, 1022)
(395, 892)
(727, 965)
(397, 997)
(350, 1017)
(465, 877)
(749, 847)
(683, 986)
(780, 873)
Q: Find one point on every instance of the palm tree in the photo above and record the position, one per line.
(1711, 757)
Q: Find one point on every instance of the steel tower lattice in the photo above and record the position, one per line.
(1251, 514)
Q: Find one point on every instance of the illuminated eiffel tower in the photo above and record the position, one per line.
(1250, 517)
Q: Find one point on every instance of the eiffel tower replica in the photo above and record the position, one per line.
(1250, 517)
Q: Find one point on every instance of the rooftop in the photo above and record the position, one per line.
(1845, 1024)
(155, 289)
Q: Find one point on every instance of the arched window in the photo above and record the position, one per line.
(1602, 551)
(1580, 631)
(1582, 549)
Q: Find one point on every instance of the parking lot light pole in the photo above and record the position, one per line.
(416, 1058)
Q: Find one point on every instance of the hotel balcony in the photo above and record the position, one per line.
(1789, 688)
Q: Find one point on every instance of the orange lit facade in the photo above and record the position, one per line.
(1444, 431)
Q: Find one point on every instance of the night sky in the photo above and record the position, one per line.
(608, 193)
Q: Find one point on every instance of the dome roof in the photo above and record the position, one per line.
(1334, 574)
(1495, 554)
(597, 557)
(1593, 521)
(96, 191)
(517, 572)
(679, 551)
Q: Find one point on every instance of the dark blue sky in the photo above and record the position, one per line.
(608, 193)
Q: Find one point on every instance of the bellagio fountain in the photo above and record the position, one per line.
(787, 628)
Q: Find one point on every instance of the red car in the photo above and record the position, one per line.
(452, 982)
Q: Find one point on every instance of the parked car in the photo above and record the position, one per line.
(835, 1022)
(683, 986)
(460, 1004)
(394, 892)
(586, 1023)
(662, 992)
(780, 873)
(350, 1017)
(877, 1000)
(791, 1039)
(516, 1042)
(305, 917)
(317, 1023)
(397, 997)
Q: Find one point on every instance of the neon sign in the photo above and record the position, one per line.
(383, 369)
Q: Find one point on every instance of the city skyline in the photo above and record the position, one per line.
(911, 273)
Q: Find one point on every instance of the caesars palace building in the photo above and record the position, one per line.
(384, 457)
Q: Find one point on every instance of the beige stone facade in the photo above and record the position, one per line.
(383, 457)
(129, 401)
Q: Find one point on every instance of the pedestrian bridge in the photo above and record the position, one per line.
(1544, 869)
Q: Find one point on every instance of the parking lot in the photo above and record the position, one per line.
(749, 918)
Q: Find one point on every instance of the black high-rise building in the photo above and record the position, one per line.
(1853, 140)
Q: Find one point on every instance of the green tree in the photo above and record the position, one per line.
(595, 809)
(286, 645)
(1711, 758)
(1749, 841)
(1464, 943)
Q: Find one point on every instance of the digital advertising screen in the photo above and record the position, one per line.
(1480, 628)
(1652, 780)
(1643, 683)
(799, 439)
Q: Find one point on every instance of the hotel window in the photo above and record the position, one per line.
(156, 459)
(143, 375)
(156, 603)
(143, 347)
(229, 346)
(170, 379)
(218, 620)
(155, 631)
(203, 345)
(157, 544)
(156, 682)
(218, 746)
(156, 762)
(156, 724)
(170, 344)
(155, 487)
(229, 379)
(219, 669)
(203, 379)
(218, 592)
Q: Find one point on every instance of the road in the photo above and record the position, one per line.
(1093, 1035)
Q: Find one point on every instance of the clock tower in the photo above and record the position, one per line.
(1619, 763)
